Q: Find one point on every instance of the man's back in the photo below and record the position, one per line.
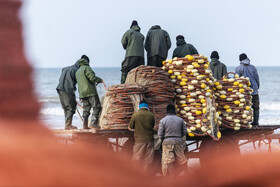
(157, 42)
(172, 126)
(143, 122)
(67, 80)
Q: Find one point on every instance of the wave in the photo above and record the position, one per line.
(275, 106)
(52, 111)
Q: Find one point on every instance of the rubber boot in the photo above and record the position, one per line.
(94, 123)
(85, 123)
(68, 124)
(123, 78)
(256, 118)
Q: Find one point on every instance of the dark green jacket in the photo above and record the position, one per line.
(218, 69)
(184, 49)
(67, 81)
(143, 122)
(157, 42)
(86, 79)
(133, 42)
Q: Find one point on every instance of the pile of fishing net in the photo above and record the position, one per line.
(195, 103)
(159, 90)
(234, 100)
(120, 102)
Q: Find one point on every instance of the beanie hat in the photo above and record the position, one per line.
(242, 56)
(214, 54)
(85, 57)
(170, 109)
(180, 37)
(133, 23)
(143, 104)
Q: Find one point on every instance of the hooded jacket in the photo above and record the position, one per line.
(86, 79)
(218, 69)
(67, 81)
(183, 49)
(157, 42)
(133, 42)
(247, 70)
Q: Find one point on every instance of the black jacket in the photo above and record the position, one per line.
(67, 80)
(183, 49)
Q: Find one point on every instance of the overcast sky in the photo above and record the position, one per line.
(58, 32)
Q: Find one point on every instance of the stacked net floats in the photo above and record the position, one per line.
(119, 104)
(159, 90)
(234, 100)
(195, 103)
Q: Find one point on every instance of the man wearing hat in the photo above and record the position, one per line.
(172, 130)
(218, 69)
(132, 42)
(183, 48)
(157, 44)
(142, 123)
(247, 70)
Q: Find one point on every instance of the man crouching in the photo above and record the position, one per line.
(171, 130)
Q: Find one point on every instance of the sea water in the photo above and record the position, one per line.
(51, 113)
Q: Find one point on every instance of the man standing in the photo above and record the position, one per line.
(171, 130)
(183, 48)
(157, 44)
(247, 70)
(132, 42)
(142, 123)
(88, 94)
(66, 90)
(218, 69)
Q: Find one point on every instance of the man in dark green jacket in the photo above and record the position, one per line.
(88, 94)
(218, 69)
(132, 42)
(157, 44)
(183, 48)
(66, 90)
(142, 123)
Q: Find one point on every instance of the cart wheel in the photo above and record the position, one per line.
(211, 149)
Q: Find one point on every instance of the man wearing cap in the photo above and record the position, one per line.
(247, 70)
(157, 44)
(218, 69)
(172, 130)
(142, 123)
(183, 48)
(87, 80)
(66, 90)
(132, 42)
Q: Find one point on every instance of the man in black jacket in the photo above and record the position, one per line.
(157, 44)
(66, 90)
(183, 48)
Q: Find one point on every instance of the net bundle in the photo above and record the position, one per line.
(234, 100)
(120, 102)
(159, 90)
(195, 103)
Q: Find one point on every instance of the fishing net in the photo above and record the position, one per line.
(120, 102)
(234, 100)
(158, 88)
(195, 103)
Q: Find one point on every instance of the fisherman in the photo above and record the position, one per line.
(172, 131)
(218, 69)
(183, 48)
(132, 42)
(142, 123)
(66, 90)
(87, 80)
(157, 44)
(247, 70)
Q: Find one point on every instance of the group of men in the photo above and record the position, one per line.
(244, 69)
(82, 74)
(171, 133)
(157, 43)
(172, 129)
